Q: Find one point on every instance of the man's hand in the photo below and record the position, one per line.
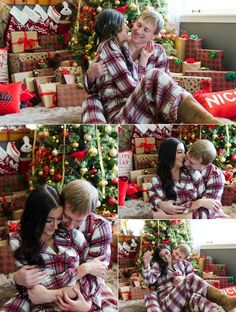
(80, 304)
(169, 207)
(178, 280)
(29, 276)
(96, 70)
(40, 294)
(94, 267)
(147, 259)
(146, 52)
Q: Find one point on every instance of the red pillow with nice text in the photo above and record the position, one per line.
(219, 104)
(10, 98)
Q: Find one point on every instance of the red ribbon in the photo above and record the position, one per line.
(147, 146)
(13, 227)
(28, 43)
(54, 98)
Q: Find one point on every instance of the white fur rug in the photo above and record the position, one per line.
(138, 209)
(42, 115)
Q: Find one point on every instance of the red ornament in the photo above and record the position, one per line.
(233, 158)
(112, 201)
(65, 133)
(58, 176)
(94, 170)
(46, 169)
(114, 180)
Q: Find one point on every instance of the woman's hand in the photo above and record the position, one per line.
(147, 259)
(208, 203)
(169, 207)
(79, 304)
(146, 52)
(178, 280)
(96, 70)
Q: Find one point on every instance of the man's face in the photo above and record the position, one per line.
(193, 163)
(72, 220)
(177, 255)
(142, 31)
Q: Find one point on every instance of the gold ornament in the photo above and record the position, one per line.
(55, 152)
(52, 171)
(83, 170)
(87, 137)
(40, 172)
(92, 151)
(98, 203)
(117, 2)
(31, 188)
(102, 183)
(88, 47)
(227, 145)
(115, 170)
(108, 129)
(133, 7)
(75, 145)
(113, 152)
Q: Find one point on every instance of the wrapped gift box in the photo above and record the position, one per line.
(11, 183)
(135, 173)
(21, 76)
(228, 195)
(147, 178)
(142, 161)
(60, 57)
(191, 66)
(22, 41)
(51, 42)
(145, 187)
(180, 46)
(192, 46)
(208, 262)
(145, 145)
(32, 65)
(215, 282)
(68, 71)
(70, 95)
(201, 263)
(218, 269)
(192, 83)
(42, 80)
(29, 83)
(175, 64)
(138, 293)
(225, 281)
(207, 274)
(47, 92)
(7, 261)
(44, 72)
(214, 59)
(221, 80)
(125, 292)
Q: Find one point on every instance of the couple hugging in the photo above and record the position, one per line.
(62, 252)
(176, 287)
(187, 185)
(129, 80)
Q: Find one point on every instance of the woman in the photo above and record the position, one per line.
(129, 94)
(35, 245)
(175, 189)
(178, 288)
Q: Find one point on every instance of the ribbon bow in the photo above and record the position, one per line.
(190, 60)
(28, 43)
(193, 37)
(54, 97)
(13, 227)
(212, 54)
(205, 68)
(65, 71)
(230, 76)
(178, 62)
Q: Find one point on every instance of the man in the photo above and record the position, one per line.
(145, 29)
(199, 157)
(80, 199)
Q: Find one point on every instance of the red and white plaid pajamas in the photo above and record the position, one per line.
(126, 98)
(187, 295)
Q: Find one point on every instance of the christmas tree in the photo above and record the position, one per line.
(67, 152)
(223, 137)
(82, 38)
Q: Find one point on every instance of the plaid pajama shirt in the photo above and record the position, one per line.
(189, 295)
(61, 271)
(132, 94)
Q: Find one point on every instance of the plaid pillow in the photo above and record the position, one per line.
(7, 262)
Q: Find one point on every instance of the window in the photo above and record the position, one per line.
(213, 232)
(211, 7)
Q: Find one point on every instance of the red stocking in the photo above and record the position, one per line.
(122, 186)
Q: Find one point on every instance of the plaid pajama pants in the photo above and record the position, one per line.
(187, 296)
(109, 302)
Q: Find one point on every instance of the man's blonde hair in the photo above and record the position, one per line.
(184, 249)
(80, 195)
(203, 150)
(153, 17)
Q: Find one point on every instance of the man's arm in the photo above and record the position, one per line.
(214, 182)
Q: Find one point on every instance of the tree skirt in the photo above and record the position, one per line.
(42, 115)
(138, 209)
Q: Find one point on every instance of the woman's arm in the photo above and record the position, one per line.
(155, 192)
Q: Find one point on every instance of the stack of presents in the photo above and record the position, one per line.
(216, 275)
(201, 72)
(131, 283)
(37, 67)
(229, 194)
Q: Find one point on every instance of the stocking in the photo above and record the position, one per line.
(122, 185)
(3, 156)
(13, 157)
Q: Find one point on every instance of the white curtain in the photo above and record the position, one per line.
(174, 12)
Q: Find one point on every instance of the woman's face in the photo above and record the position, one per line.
(179, 156)
(122, 36)
(53, 220)
(165, 255)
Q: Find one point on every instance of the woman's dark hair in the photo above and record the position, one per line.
(156, 258)
(38, 205)
(166, 161)
(108, 24)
